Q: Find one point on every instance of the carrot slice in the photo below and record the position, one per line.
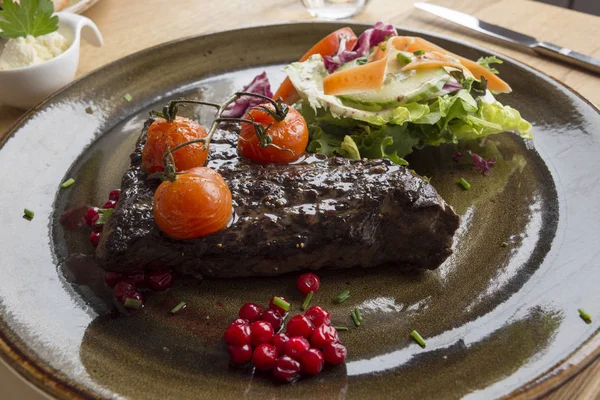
(494, 82)
(328, 46)
(364, 77)
(433, 59)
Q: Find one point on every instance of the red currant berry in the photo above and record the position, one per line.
(323, 335)
(273, 317)
(265, 357)
(237, 334)
(312, 361)
(97, 227)
(261, 332)
(114, 195)
(308, 282)
(296, 346)
(91, 216)
(286, 369)
(279, 342)
(138, 279)
(241, 321)
(160, 279)
(318, 316)
(95, 239)
(123, 288)
(250, 311)
(112, 278)
(239, 355)
(109, 204)
(277, 308)
(299, 325)
(335, 353)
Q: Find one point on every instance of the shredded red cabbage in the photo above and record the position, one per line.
(369, 38)
(456, 156)
(481, 164)
(259, 85)
(452, 86)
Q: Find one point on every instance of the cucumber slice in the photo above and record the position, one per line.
(402, 86)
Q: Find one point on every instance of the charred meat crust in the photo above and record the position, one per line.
(318, 213)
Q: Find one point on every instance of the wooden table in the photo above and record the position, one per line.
(132, 25)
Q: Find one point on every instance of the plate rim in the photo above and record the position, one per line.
(50, 383)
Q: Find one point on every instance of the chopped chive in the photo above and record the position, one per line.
(383, 48)
(418, 339)
(426, 179)
(355, 317)
(403, 58)
(279, 302)
(67, 183)
(342, 297)
(463, 182)
(105, 214)
(307, 300)
(128, 97)
(358, 315)
(132, 303)
(585, 316)
(178, 307)
(504, 244)
(419, 52)
(340, 328)
(361, 61)
(28, 214)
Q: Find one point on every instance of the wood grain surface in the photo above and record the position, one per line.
(132, 25)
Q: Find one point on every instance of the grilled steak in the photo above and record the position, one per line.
(316, 213)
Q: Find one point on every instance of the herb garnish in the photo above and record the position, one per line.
(585, 316)
(105, 214)
(128, 97)
(356, 317)
(67, 183)
(342, 297)
(178, 307)
(419, 52)
(280, 302)
(340, 328)
(463, 182)
(307, 300)
(415, 335)
(30, 17)
(132, 303)
(403, 58)
(28, 214)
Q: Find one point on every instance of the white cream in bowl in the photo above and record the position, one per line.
(40, 66)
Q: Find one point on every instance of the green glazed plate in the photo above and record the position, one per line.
(497, 320)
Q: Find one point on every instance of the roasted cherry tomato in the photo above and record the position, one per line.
(181, 130)
(290, 136)
(196, 204)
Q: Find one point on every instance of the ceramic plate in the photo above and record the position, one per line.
(497, 320)
(79, 6)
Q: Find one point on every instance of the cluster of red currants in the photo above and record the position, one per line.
(93, 214)
(127, 287)
(308, 342)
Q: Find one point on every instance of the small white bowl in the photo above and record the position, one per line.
(27, 86)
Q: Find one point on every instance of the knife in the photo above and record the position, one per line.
(548, 49)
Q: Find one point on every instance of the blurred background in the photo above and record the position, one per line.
(586, 6)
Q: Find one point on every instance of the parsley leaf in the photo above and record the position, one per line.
(31, 17)
(486, 61)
